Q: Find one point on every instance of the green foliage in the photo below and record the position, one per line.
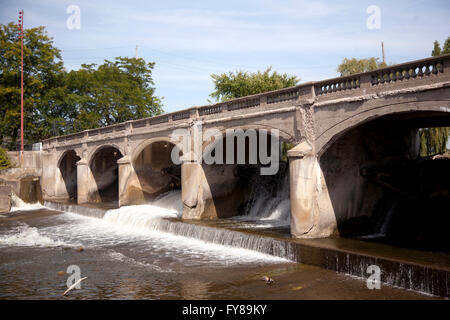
(43, 70)
(114, 92)
(436, 49)
(57, 102)
(434, 140)
(4, 160)
(242, 83)
(353, 65)
(285, 147)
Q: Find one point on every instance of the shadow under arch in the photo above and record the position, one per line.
(67, 165)
(232, 185)
(414, 109)
(104, 168)
(154, 168)
(379, 187)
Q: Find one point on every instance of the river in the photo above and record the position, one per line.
(125, 256)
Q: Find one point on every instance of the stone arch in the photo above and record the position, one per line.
(283, 134)
(338, 129)
(151, 171)
(104, 168)
(144, 144)
(68, 171)
(374, 179)
(97, 149)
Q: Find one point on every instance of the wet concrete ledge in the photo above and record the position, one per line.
(405, 268)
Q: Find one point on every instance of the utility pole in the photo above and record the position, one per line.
(21, 84)
(382, 51)
(136, 55)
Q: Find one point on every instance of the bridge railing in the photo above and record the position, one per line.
(415, 73)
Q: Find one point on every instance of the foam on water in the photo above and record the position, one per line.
(147, 227)
(26, 236)
(20, 205)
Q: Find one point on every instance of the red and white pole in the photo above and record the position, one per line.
(21, 83)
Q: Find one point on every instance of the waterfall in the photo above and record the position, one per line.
(163, 215)
(269, 202)
(19, 205)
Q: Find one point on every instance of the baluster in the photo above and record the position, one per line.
(413, 73)
(407, 73)
(420, 73)
(427, 70)
(434, 70)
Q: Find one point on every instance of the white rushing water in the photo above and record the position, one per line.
(268, 210)
(26, 236)
(19, 205)
(146, 229)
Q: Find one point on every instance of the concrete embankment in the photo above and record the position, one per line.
(410, 269)
(5, 199)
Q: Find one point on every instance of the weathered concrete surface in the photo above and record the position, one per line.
(311, 216)
(326, 187)
(5, 198)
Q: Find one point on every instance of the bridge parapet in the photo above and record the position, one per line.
(401, 76)
(423, 72)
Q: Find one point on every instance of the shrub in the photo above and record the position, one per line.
(4, 160)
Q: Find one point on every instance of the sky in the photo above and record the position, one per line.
(190, 40)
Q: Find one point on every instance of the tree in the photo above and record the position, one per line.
(434, 140)
(353, 65)
(242, 83)
(113, 92)
(43, 72)
(4, 160)
(436, 49)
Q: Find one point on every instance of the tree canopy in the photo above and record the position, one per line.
(114, 92)
(59, 102)
(353, 65)
(43, 72)
(242, 83)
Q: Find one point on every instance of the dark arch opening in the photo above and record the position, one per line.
(239, 188)
(382, 190)
(68, 168)
(156, 171)
(105, 171)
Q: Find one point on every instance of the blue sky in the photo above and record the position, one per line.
(189, 40)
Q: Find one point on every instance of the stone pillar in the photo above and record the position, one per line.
(310, 214)
(5, 199)
(195, 192)
(130, 190)
(84, 181)
(52, 182)
(49, 175)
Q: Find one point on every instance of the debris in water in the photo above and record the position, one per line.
(80, 249)
(268, 280)
(61, 273)
(73, 286)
